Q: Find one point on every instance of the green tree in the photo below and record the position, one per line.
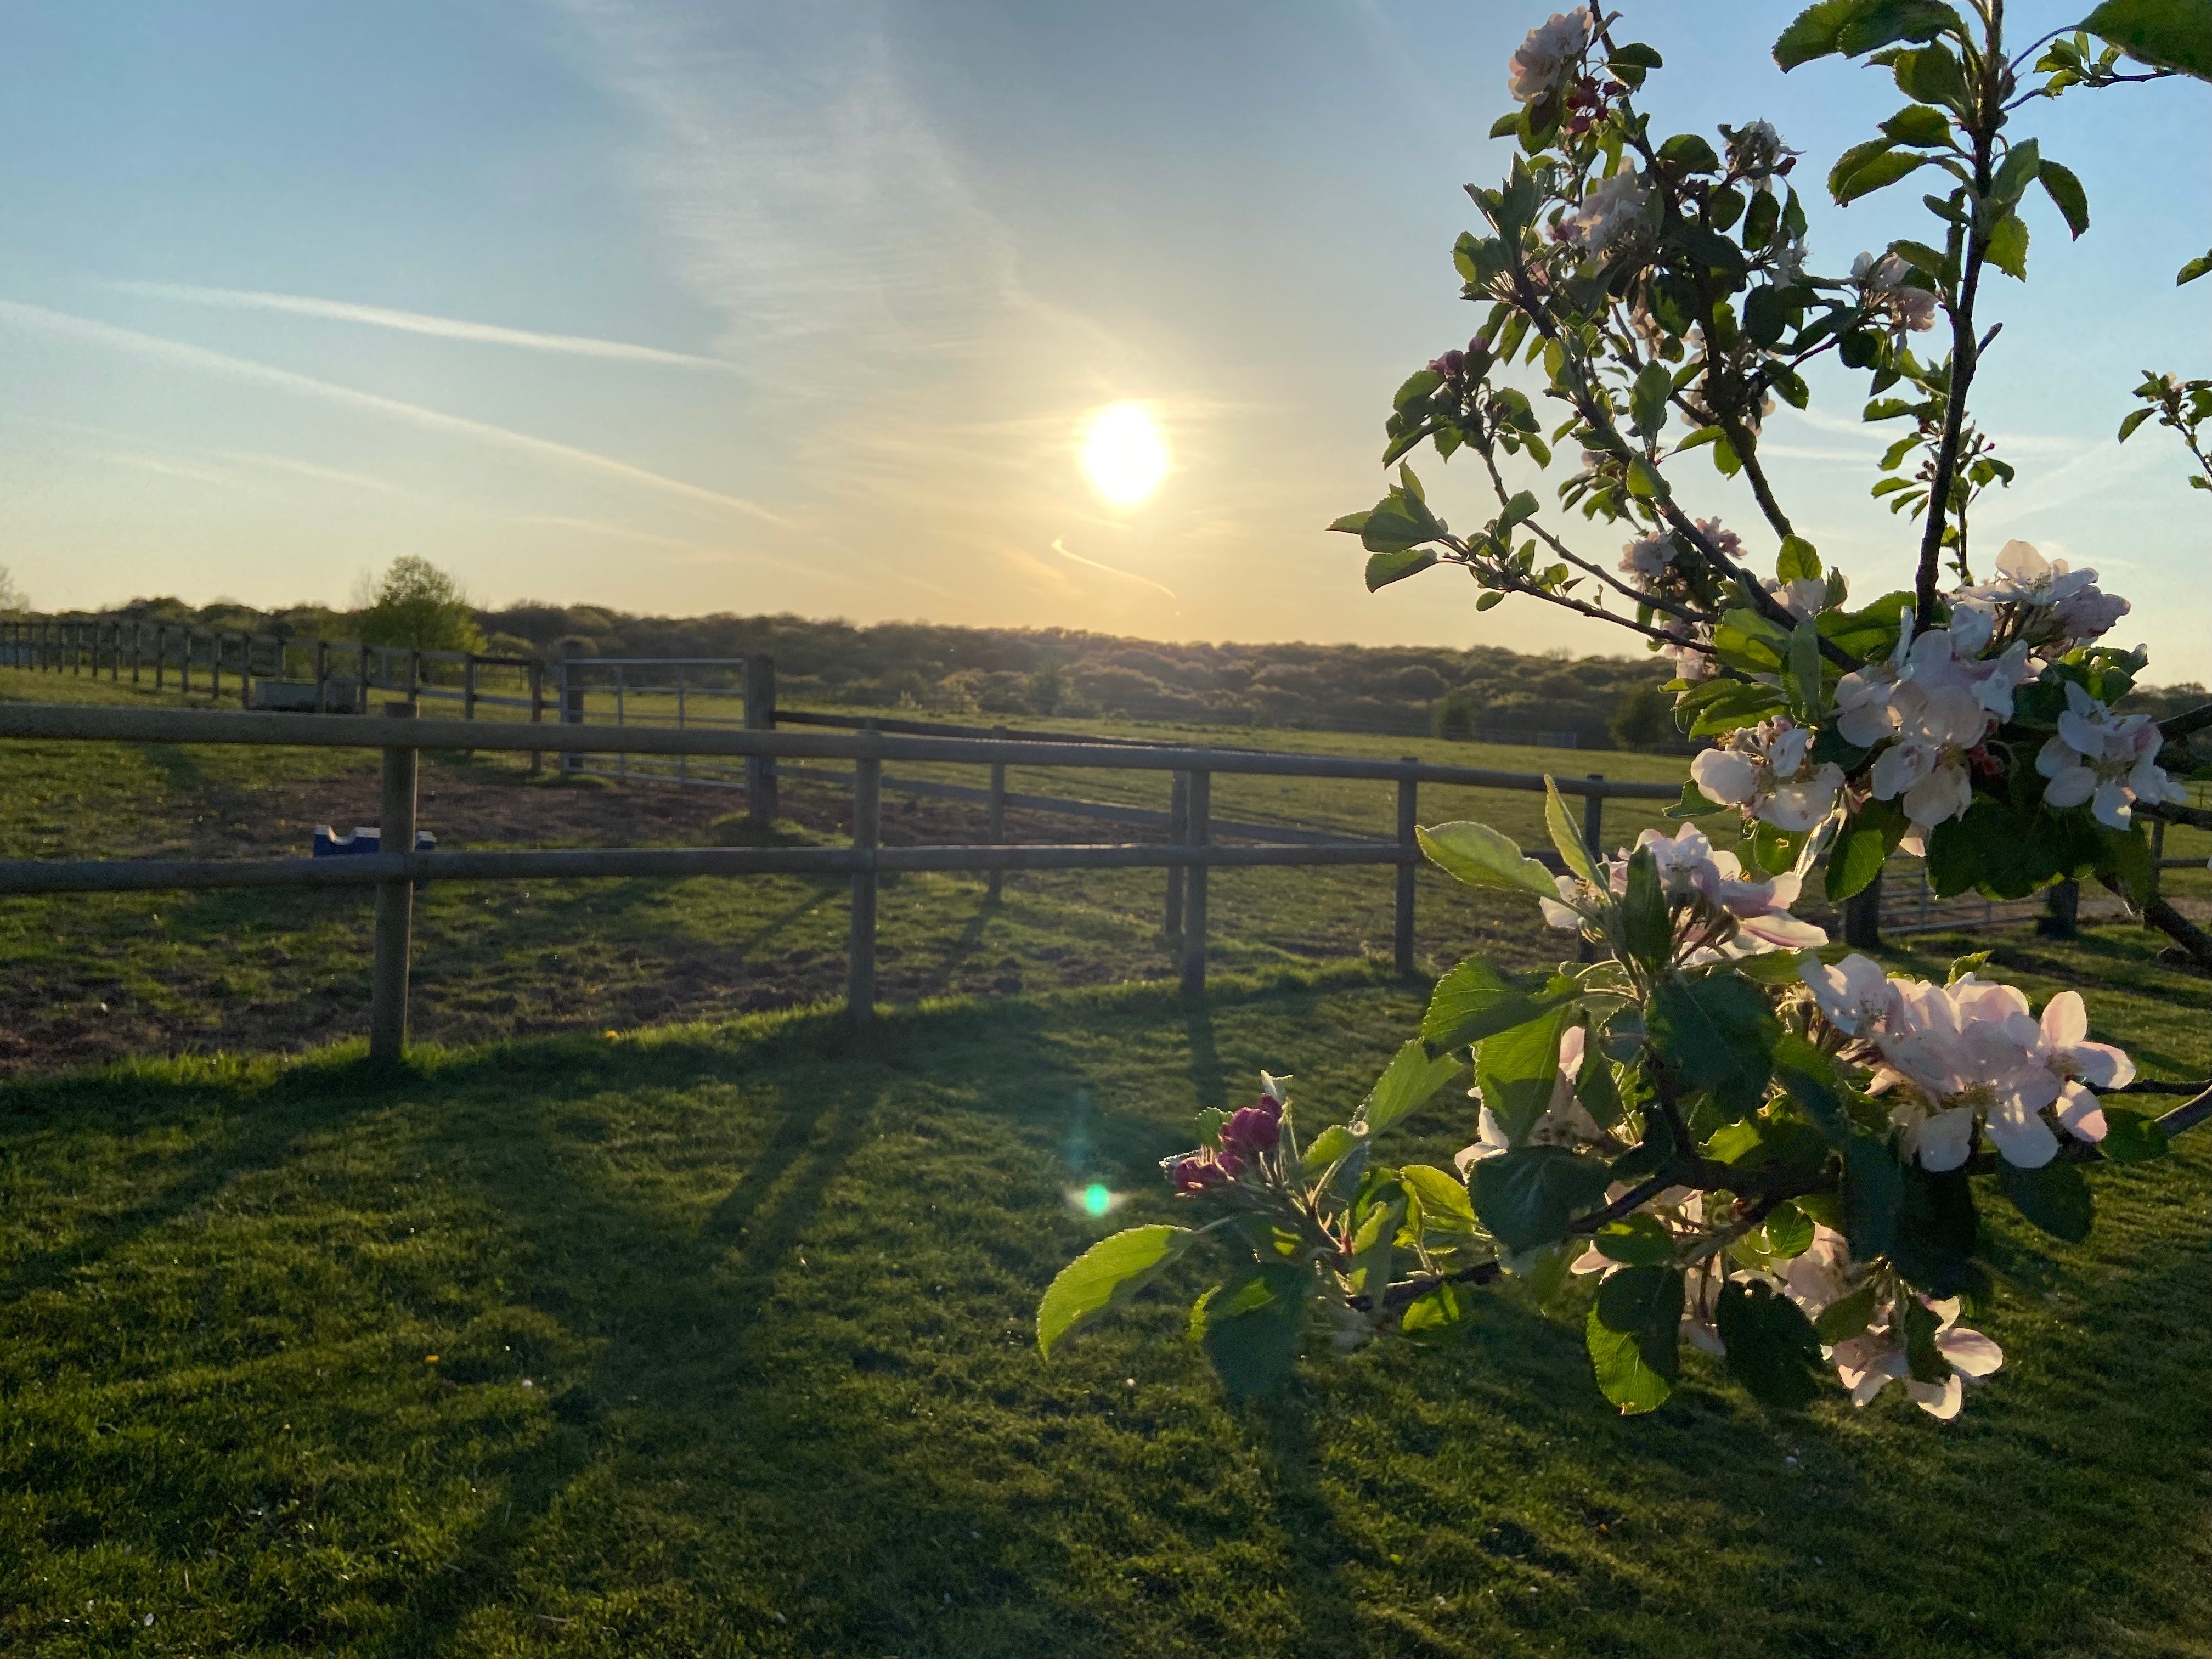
(1643, 720)
(1454, 717)
(418, 605)
(1047, 687)
(13, 598)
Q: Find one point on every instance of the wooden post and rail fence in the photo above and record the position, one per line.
(400, 733)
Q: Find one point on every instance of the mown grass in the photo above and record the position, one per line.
(733, 1356)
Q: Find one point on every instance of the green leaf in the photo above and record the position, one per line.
(2130, 1137)
(1873, 1196)
(1647, 922)
(1567, 836)
(1643, 480)
(1693, 804)
(1444, 1202)
(1877, 174)
(1527, 1197)
(1635, 55)
(1924, 259)
(1336, 1142)
(1406, 1085)
(1798, 561)
(1639, 1241)
(1392, 528)
(2007, 249)
(1802, 675)
(2173, 34)
(1483, 857)
(2055, 1197)
(1716, 1034)
(1351, 523)
(1633, 1335)
(1839, 1322)
(1917, 124)
(1647, 400)
(1772, 1349)
(1517, 1069)
(1474, 1001)
(1383, 569)
(1936, 1229)
(2196, 268)
(1869, 835)
(1852, 26)
(1250, 1327)
(1788, 1231)
(2134, 420)
(2067, 194)
(1104, 1276)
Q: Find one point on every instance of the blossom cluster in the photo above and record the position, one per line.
(1249, 1134)
(1969, 1057)
(1720, 911)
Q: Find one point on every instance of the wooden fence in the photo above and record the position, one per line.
(400, 733)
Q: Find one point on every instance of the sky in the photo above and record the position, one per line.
(684, 306)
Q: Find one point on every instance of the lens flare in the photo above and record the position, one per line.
(1096, 1200)
(1123, 454)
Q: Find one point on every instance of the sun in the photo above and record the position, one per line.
(1124, 454)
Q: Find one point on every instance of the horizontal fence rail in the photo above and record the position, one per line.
(400, 734)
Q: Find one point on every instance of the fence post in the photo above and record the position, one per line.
(2157, 853)
(537, 672)
(867, 833)
(998, 809)
(1408, 814)
(571, 707)
(395, 902)
(137, 648)
(215, 667)
(361, 679)
(1594, 836)
(1198, 833)
(760, 716)
(1178, 831)
(322, 677)
(114, 651)
(1862, 916)
(469, 688)
(76, 649)
(246, 671)
(2062, 911)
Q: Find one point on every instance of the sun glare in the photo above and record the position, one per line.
(1124, 454)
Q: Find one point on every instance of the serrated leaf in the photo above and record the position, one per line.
(1635, 1241)
(1772, 1349)
(2007, 249)
(1517, 1069)
(1406, 1085)
(1869, 835)
(2174, 34)
(1104, 1276)
(1483, 857)
(1878, 173)
(1527, 1197)
(1474, 1001)
(2134, 420)
(2130, 1137)
(1383, 569)
(1250, 1327)
(1574, 852)
(1647, 923)
(1839, 1322)
(2067, 194)
(2055, 1197)
(1798, 560)
(1917, 124)
(1633, 1335)
(1716, 1034)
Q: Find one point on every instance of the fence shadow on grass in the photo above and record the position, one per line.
(791, 1271)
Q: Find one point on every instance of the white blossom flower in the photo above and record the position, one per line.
(1691, 663)
(1882, 286)
(1939, 706)
(1721, 915)
(1755, 151)
(1767, 770)
(1855, 995)
(1565, 1121)
(1867, 1363)
(1645, 561)
(1807, 596)
(2107, 758)
(1785, 257)
(1968, 1053)
(2051, 607)
(1611, 211)
(1549, 54)
(2079, 1065)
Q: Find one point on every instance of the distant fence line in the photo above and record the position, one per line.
(401, 735)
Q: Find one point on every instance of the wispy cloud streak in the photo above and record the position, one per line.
(39, 320)
(416, 322)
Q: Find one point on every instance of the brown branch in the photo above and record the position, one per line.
(2184, 725)
(2170, 921)
(2186, 1116)
(1405, 1290)
(1657, 602)
(2174, 813)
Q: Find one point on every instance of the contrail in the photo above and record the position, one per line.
(1126, 575)
(414, 322)
(55, 322)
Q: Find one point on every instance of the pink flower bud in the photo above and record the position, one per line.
(1254, 1129)
(1195, 1173)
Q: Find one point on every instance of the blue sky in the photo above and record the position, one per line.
(685, 306)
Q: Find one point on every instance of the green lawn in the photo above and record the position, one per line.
(733, 1355)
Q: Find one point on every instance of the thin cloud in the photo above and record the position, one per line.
(1060, 548)
(416, 322)
(39, 320)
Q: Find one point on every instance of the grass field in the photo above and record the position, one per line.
(718, 1341)
(715, 1339)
